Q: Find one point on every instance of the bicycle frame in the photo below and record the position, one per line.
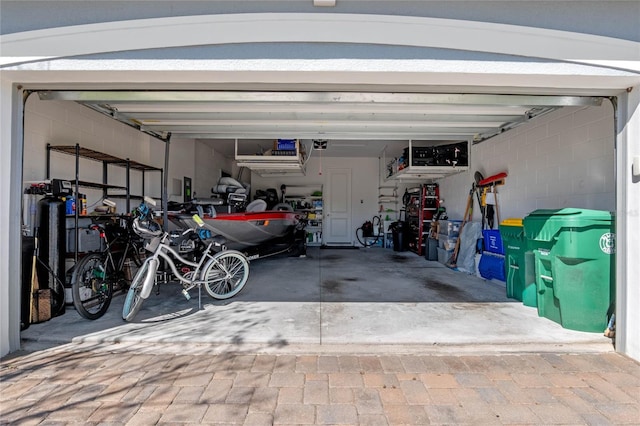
(108, 253)
(165, 251)
(223, 272)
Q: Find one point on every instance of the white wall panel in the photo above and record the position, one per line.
(564, 159)
(67, 123)
(207, 169)
(364, 183)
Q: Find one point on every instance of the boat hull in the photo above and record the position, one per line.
(246, 229)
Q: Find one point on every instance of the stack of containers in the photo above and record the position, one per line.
(448, 233)
(492, 261)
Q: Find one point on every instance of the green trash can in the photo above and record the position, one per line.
(518, 265)
(574, 257)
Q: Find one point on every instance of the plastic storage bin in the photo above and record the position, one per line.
(574, 255)
(519, 270)
(447, 243)
(491, 266)
(492, 241)
(449, 228)
(444, 255)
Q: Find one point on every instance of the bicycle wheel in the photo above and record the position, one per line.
(91, 288)
(133, 301)
(226, 274)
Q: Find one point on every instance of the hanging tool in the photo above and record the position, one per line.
(488, 186)
(35, 284)
(480, 196)
(495, 196)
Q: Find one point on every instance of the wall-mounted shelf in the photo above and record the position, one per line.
(308, 199)
(388, 200)
(274, 162)
(106, 160)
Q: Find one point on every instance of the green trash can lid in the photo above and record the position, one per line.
(570, 214)
(544, 224)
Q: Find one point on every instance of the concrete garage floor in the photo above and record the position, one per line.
(340, 300)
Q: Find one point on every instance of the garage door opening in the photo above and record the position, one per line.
(558, 154)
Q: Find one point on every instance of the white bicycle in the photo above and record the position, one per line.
(223, 272)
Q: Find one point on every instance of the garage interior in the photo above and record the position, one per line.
(557, 151)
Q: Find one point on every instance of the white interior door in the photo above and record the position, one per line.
(338, 208)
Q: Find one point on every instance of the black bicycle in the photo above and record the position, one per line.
(97, 274)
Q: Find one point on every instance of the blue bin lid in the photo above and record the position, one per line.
(544, 224)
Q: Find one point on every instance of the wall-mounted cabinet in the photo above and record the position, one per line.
(426, 160)
(281, 160)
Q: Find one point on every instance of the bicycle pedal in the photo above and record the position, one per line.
(186, 294)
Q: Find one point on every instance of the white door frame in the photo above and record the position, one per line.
(337, 223)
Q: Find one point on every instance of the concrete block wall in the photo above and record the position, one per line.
(563, 159)
(68, 123)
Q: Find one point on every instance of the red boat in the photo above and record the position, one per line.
(251, 228)
(246, 229)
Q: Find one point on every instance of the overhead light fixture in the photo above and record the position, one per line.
(324, 3)
(320, 144)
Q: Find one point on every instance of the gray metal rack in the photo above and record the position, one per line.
(106, 160)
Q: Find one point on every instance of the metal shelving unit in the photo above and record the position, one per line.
(106, 160)
(422, 206)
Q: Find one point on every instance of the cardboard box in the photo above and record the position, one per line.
(42, 306)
